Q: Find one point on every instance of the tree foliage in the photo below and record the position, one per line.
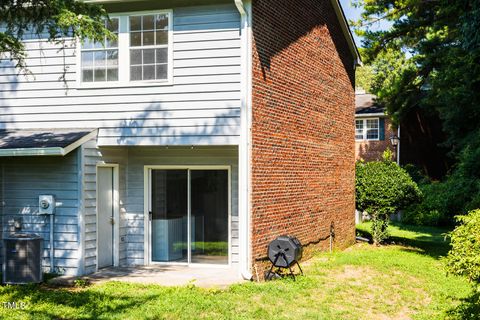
(464, 257)
(54, 20)
(382, 188)
(428, 59)
(364, 78)
(432, 54)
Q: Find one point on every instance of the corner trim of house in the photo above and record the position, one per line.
(81, 212)
(244, 152)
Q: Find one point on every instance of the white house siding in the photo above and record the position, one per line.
(131, 162)
(92, 157)
(24, 179)
(202, 107)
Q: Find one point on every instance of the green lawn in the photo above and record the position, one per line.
(404, 280)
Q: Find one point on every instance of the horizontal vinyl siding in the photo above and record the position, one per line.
(201, 107)
(138, 158)
(91, 157)
(131, 163)
(24, 179)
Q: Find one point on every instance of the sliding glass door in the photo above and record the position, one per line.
(169, 214)
(189, 215)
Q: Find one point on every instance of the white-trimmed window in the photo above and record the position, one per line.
(149, 47)
(141, 55)
(99, 63)
(367, 129)
(359, 129)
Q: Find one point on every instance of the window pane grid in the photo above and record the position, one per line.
(359, 129)
(372, 134)
(148, 47)
(367, 129)
(99, 63)
(372, 129)
(149, 50)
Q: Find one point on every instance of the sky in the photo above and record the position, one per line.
(352, 14)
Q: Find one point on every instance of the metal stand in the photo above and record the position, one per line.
(282, 254)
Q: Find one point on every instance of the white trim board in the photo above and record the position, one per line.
(369, 115)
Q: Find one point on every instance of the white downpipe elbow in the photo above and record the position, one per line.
(240, 7)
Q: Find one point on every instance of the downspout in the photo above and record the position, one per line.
(243, 148)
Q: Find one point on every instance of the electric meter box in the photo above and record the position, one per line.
(46, 204)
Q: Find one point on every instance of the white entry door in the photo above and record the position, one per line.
(105, 216)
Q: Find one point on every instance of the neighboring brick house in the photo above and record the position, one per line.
(207, 130)
(373, 129)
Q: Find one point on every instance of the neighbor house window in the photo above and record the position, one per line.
(372, 129)
(359, 129)
(149, 47)
(367, 129)
(99, 62)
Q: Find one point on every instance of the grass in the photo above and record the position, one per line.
(404, 280)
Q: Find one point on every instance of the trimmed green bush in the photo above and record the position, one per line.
(431, 210)
(464, 257)
(382, 188)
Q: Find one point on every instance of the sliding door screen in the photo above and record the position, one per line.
(209, 216)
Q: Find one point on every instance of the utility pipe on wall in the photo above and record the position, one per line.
(398, 145)
(52, 252)
(244, 153)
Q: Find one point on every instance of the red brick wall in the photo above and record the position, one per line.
(373, 150)
(303, 125)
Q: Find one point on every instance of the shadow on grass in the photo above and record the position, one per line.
(429, 240)
(92, 304)
(468, 309)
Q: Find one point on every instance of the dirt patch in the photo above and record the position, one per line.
(379, 296)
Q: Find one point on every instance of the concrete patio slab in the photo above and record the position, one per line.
(162, 275)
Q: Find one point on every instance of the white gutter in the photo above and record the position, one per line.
(53, 151)
(20, 152)
(244, 144)
(368, 115)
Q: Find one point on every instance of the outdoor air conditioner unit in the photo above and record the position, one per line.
(22, 259)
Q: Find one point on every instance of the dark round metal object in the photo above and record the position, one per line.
(284, 251)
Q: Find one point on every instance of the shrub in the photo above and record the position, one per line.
(431, 211)
(464, 257)
(457, 194)
(382, 188)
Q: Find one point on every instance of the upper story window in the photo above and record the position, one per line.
(367, 129)
(141, 55)
(99, 63)
(149, 47)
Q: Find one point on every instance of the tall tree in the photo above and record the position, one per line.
(51, 19)
(433, 66)
(433, 60)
